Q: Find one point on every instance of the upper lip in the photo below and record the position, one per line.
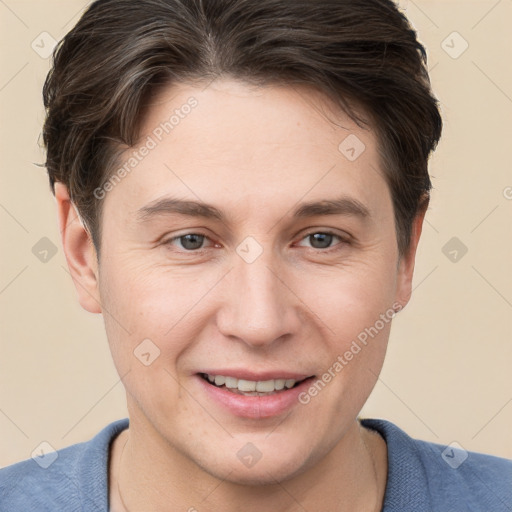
(257, 376)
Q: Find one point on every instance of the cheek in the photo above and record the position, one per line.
(355, 308)
(155, 303)
(148, 327)
(356, 313)
(351, 298)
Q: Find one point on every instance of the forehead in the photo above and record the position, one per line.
(250, 146)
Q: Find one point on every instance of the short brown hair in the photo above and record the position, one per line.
(359, 53)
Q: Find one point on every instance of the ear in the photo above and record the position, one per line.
(407, 260)
(79, 251)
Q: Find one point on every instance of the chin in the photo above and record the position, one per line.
(265, 471)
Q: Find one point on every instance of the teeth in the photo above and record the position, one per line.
(220, 380)
(231, 382)
(279, 384)
(265, 386)
(250, 386)
(246, 385)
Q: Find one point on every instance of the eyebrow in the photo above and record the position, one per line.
(172, 206)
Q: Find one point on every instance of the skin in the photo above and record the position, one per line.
(256, 154)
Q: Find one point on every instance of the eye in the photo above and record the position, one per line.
(324, 239)
(189, 241)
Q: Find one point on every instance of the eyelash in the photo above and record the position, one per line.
(343, 241)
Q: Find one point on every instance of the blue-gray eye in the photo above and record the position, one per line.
(320, 240)
(190, 241)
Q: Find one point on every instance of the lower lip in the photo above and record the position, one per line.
(255, 406)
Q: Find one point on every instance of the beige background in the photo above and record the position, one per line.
(447, 376)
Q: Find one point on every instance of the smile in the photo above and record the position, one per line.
(268, 396)
(250, 387)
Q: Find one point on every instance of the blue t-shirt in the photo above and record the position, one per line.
(422, 477)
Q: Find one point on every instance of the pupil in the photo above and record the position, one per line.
(195, 240)
(325, 240)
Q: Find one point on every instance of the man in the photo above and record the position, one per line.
(241, 188)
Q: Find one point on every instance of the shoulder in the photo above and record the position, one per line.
(72, 478)
(480, 481)
(442, 477)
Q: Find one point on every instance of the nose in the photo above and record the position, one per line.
(259, 306)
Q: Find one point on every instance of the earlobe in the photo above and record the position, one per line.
(79, 251)
(407, 261)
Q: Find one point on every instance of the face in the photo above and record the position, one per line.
(287, 277)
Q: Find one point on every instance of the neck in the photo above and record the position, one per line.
(146, 474)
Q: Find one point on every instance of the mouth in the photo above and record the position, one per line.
(253, 395)
(252, 387)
